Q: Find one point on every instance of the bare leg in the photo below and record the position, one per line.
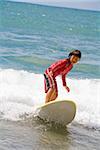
(51, 95)
(48, 95)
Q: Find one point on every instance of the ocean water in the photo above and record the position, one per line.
(31, 38)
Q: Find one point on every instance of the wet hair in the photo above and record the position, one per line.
(75, 53)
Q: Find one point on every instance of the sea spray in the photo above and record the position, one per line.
(22, 92)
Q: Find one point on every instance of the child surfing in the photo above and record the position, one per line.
(61, 67)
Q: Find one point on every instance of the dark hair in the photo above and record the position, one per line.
(75, 53)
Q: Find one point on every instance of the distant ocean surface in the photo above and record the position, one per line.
(31, 38)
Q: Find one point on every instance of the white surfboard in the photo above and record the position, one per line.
(60, 112)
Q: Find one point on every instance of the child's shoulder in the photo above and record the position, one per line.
(66, 60)
(62, 61)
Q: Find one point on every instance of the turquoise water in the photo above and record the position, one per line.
(31, 38)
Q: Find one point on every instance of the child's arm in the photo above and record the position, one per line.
(64, 83)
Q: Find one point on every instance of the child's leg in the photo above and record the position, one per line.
(51, 91)
(51, 95)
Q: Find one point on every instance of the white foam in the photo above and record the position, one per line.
(21, 92)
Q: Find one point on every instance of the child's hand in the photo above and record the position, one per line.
(67, 88)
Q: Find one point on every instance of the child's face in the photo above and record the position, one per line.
(74, 59)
